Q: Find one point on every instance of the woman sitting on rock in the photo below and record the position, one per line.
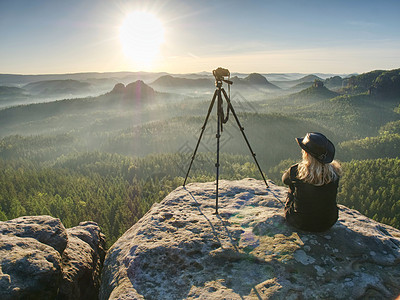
(313, 183)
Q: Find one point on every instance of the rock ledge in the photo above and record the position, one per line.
(181, 250)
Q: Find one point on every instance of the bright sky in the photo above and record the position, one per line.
(266, 36)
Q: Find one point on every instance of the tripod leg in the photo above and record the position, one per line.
(244, 135)
(219, 123)
(201, 135)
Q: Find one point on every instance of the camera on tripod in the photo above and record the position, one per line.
(220, 73)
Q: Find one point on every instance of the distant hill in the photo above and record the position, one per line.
(386, 85)
(335, 82)
(120, 98)
(57, 87)
(332, 83)
(134, 90)
(258, 79)
(9, 92)
(308, 78)
(301, 86)
(361, 83)
(254, 80)
(51, 90)
(312, 93)
(12, 96)
(169, 81)
(272, 77)
(379, 83)
(16, 79)
(291, 83)
(352, 115)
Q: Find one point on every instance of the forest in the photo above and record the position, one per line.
(109, 158)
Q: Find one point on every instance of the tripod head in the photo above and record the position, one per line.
(220, 74)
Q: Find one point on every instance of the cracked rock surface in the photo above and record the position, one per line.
(40, 259)
(181, 250)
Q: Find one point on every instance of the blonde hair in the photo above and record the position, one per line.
(314, 172)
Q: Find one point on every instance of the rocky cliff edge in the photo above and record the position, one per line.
(40, 259)
(181, 250)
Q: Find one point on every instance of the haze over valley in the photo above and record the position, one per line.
(133, 134)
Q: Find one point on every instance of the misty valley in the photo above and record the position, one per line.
(106, 146)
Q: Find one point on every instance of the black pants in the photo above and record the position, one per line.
(309, 222)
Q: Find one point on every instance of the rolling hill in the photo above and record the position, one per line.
(119, 105)
(254, 80)
(306, 96)
(169, 81)
(314, 93)
(134, 90)
(11, 96)
(9, 92)
(18, 80)
(334, 83)
(287, 84)
(57, 87)
(379, 83)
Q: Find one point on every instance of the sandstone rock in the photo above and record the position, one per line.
(28, 269)
(40, 259)
(82, 262)
(45, 229)
(181, 250)
(134, 90)
(119, 88)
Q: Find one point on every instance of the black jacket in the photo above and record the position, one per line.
(310, 207)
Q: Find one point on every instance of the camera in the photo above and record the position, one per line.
(220, 73)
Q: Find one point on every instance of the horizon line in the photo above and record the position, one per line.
(178, 73)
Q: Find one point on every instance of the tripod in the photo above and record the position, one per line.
(220, 121)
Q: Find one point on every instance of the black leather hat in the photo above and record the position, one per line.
(318, 146)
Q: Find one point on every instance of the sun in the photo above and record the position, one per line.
(141, 35)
